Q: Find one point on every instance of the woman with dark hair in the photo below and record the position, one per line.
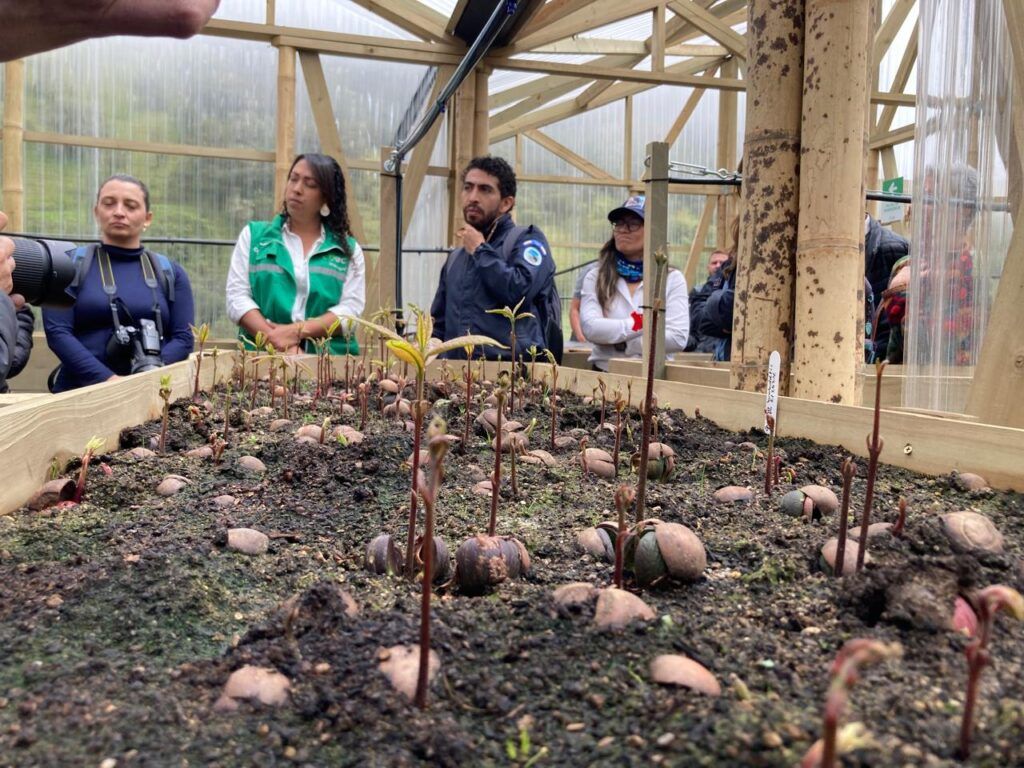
(611, 311)
(292, 277)
(133, 308)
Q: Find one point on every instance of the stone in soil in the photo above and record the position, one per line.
(400, 664)
(171, 484)
(257, 684)
(969, 531)
(672, 669)
(616, 608)
(248, 541)
(731, 493)
(251, 464)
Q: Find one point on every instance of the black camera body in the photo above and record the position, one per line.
(139, 345)
(43, 270)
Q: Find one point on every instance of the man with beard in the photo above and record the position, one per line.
(496, 264)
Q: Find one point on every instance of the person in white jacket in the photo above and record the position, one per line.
(611, 307)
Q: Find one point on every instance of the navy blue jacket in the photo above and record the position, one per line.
(882, 249)
(473, 283)
(79, 335)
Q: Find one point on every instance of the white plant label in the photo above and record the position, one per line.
(771, 400)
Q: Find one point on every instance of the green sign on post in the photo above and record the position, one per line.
(891, 212)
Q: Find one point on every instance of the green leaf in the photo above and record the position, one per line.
(464, 341)
(387, 333)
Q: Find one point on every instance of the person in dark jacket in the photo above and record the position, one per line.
(716, 313)
(16, 319)
(495, 265)
(882, 249)
(699, 342)
(83, 336)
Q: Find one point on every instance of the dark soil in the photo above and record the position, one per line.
(121, 618)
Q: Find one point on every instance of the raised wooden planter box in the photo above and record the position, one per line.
(38, 430)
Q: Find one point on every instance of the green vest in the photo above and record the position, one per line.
(272, 279)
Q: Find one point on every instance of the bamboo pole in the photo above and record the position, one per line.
(14, 144)
(763, 312)
(383, 275)
(727, 107)
(461, 127)
(830, 257)
(284, 145)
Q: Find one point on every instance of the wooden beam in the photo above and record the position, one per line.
(693, 49)
(655, 242)
(341, 43)
(412, 16)
(383, 274)
(726, 153)
(627, 137)
(697, 245)
(551, 12)
(711, 25)
(481, 112)
(271, 14)
(892, 138)
(658, 38)
(621, 74)
(420, 159)
(284, 142)
(152, 147)
(327, 131)
(899, 83)
(461, 137)
(546, 178)
(888, 30)
(560, 150)
(14, 145)
(595, 45)
(591, 15)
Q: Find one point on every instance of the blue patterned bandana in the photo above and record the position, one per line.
(630, 271)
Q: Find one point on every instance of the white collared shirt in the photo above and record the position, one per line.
(239, 292)
(604, 330)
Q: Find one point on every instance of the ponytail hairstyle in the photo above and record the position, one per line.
(331, 181)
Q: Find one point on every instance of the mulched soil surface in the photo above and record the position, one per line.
(121, 618)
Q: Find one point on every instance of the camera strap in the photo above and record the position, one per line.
(148, 276)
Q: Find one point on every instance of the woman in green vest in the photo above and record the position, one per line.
(292, 277)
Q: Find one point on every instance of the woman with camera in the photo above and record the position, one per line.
(133, 307)
(292, 277)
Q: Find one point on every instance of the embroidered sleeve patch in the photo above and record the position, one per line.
(533, 252)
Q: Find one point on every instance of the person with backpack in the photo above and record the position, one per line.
(611, 310)
(497, 264)
(291, 278)
(133, 308)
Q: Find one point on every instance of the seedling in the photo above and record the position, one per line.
(91, 447)
(620, 406)
(848, 471)
(854, 654)
(418, 352)
(165, 395)
(901, 519)
(604, 400)
(875, 444)
(624, 498)
(513, 315)
(326, 425)
(770, 478)
(988, 603)
(218, 445)
(469, 395)
(201, 334)
(661, 264)
(364, 404)
(438, 446)
(492, 524)
(554, 395)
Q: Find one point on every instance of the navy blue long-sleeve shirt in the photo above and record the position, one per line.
(79, 335)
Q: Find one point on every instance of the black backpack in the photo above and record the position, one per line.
(547, 306)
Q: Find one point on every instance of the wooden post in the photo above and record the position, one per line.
(655, 239)
(387, 258)
(727, 103)
(627, 138)
(461, 130)
(763, 311)
(658, 38)
(284, 147)
(14, 144)
(481, 114)
(830, 245)
(998, 386)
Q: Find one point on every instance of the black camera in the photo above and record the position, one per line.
(140, 345)
(43, 269)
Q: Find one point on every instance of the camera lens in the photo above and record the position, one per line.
(43, 270)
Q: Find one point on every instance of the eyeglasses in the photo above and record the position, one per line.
(627, 225)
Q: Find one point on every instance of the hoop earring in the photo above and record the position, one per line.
(325, 211)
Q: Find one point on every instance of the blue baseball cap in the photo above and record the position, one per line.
(633, 204)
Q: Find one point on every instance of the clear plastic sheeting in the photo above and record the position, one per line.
(960, 226)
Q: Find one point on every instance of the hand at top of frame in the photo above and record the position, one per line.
(40, 25)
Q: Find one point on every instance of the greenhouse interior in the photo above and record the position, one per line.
(512, 382)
